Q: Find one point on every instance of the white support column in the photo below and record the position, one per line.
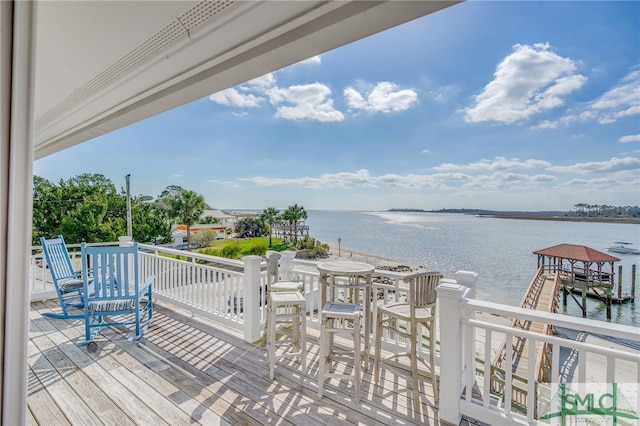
(17, 69)
(450, 296)
(251, 298)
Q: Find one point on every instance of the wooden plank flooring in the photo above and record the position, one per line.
(187, 370)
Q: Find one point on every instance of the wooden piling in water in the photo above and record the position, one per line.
(633, 281)
(619, 281)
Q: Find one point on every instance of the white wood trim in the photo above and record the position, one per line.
(19, 176)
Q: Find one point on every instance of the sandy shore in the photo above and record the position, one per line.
(357, 256)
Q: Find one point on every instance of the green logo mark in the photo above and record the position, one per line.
(589, 406)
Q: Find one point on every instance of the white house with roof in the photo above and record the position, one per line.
(223, 218)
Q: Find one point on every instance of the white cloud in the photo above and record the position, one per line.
(425, 151)
(613, 165)
(312, 101)
(314, 60)
(498, 163)
(444, 93)
(437, 181)
(233, 97)
(596, 184)
(263, 82)
(529, 81)
(384, 97)
(623, 100)
(362, 179)
(301, 102)
(630, 138)
(309, 102)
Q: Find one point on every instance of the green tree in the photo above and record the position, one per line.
(46, 209)
(204, 237)
(149, 221)
(249, 227)
(209, 220)
(184, 205)
(87, 208)
(294, 214)
(270, 215)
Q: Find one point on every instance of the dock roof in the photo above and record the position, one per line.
(576, 252)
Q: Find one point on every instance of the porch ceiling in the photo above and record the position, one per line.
(101, 65)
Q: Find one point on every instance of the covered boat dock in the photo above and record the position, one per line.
(583, 271)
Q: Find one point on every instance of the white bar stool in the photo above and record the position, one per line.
(336, 318)
(287, 308)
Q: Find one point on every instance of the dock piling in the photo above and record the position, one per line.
(619, 281)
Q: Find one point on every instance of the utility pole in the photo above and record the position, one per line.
(129, 226)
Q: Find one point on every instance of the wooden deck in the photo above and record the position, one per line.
(187, 370)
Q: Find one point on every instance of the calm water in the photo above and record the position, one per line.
(500, 250)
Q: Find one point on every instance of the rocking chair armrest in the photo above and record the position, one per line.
(147, 285)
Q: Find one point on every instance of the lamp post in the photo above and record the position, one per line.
(339, 241)
(129, 227)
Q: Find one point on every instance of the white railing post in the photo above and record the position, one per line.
(468, 279)
(251, 298)
(450, 297)
(125, 241)
(286, 264)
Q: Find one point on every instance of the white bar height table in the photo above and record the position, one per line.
(352, 277)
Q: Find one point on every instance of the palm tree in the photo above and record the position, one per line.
(270, 215)
(293, 214)
(183, 205)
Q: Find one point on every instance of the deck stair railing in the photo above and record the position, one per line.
(530, 300)
(466, 390)
(543, 357)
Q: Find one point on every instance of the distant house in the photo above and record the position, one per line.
(223, 218)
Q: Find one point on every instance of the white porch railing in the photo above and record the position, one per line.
(231, 292)
(225, 290)
(466, 383)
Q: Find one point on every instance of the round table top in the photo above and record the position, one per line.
(345, 267)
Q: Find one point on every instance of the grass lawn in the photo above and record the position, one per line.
(237, 248)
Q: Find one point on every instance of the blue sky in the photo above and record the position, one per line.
(486, 104)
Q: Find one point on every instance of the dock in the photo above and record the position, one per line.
(568, 269)
(542, 295)
(601, 294)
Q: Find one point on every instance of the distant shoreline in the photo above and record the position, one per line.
(542, 215)
(527, 216)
